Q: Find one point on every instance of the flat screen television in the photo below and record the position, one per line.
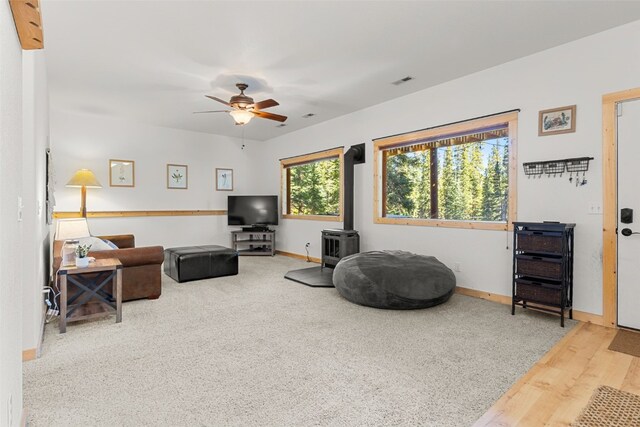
(252, 211)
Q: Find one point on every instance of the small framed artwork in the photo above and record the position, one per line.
(224, 179)
(178, 177)
(122, 173)
(557, 120)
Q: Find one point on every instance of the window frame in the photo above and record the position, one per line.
(287, 163)
(379, 175)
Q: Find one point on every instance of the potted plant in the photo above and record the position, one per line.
(82, 251)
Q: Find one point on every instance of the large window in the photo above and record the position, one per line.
(312, 186)
(459, 175)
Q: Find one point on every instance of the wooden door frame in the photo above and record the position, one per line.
(610, 203)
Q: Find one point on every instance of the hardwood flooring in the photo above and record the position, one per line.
(556, 389)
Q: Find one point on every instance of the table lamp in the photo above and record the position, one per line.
(84, 179)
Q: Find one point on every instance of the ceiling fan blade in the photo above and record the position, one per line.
(270, 116)
(218, 99)
(267, 103)
(216, 111)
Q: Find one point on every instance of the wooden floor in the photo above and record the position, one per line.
(556, 389)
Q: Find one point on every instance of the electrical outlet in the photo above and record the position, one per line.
(456, 267)
(307, 245)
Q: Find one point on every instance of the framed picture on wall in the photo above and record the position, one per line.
(557, 120)
(177, 177)
(224, 179)
(122, 173)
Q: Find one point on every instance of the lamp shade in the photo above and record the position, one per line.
(84, 177)
(74, 228)
(241, 117)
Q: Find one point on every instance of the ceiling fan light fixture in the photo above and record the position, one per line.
(241, 117)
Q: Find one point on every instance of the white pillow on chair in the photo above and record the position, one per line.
(97, 244)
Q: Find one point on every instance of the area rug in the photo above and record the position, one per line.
(626, 342)
(258, 350)
(610, 407)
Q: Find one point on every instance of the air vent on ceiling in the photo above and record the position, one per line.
(281, 125)
(306, 116)
(402, 80)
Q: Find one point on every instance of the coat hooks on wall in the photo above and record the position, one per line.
(574, 167)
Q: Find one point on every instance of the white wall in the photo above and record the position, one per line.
(89, 141)
(35, 231)
(10, 228)
(576, 73)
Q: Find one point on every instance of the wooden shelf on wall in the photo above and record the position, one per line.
(26, 15)
(128, 214)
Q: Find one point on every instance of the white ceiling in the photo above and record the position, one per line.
(153, 61)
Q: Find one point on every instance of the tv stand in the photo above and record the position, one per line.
(254, 242)
(256, 228)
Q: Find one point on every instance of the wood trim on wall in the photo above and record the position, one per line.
(610, 203)
(128, 214)
(426, 222)
(380, 145)
(285, 164)
(26, 15)
(298, 256)
(582, 316)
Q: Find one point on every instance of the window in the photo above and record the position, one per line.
(312, 186)
(460, 175)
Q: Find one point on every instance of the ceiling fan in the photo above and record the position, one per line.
(244, 109)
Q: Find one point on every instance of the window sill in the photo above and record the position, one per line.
(314, 217)
(474, 225)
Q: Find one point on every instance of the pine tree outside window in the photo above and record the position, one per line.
(311, 186)
(460, 175)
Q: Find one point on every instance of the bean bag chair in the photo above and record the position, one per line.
(394, 279)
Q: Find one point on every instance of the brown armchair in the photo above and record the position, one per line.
(141, 273)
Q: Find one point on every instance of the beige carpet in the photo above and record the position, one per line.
(256, 349)
(610, 407)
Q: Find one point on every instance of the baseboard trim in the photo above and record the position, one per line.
(298, 256)
(582, 316)
(29, 354)
(502, 299)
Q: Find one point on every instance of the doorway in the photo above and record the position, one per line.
(628, 143)
(621, 253)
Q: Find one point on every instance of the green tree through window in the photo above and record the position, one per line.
(470, 174)
(311, 185)
(314, 188)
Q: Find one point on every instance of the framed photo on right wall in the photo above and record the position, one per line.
(557, 120)
(224, 179)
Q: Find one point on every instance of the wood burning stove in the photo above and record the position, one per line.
(336, 243)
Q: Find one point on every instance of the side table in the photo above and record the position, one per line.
(92, 300)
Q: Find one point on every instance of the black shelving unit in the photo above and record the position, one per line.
(254, 242)
(543, 267)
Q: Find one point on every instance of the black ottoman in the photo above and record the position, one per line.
(200, 262)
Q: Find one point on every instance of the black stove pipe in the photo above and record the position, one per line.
(353, 156)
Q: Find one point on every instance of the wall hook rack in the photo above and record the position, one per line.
(573, 166)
